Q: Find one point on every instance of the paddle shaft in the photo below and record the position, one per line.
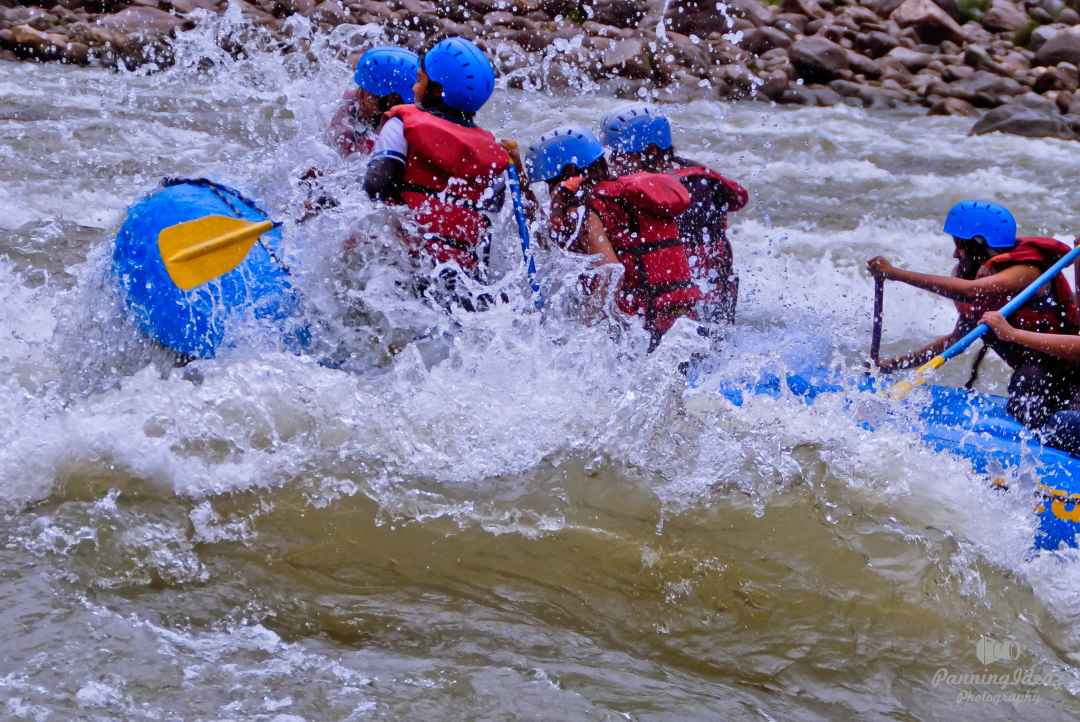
(523, 231)
(1009, 308)
(879, 307)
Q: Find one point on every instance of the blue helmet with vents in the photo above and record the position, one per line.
(552, 152)
(463, 71)
(388, 69)
(992, 223)
(634, 129)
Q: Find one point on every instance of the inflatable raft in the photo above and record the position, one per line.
(257, 294)
(970, 425)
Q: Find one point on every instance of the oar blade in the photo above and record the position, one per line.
(198, 251)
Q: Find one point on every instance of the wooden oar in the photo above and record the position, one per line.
(198, 251)
(902, 389)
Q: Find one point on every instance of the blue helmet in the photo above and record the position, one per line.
(463, 71)
(552, 152)
(388, 69)
(635, 129)
(992, 223)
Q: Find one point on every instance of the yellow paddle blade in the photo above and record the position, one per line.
(201, 250)
(900, 391)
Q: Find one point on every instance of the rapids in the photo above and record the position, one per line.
(510, 519)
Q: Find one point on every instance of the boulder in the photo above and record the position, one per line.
(141, 21)
(1069, 16)
(1056, 79)
(930, 23)
(1022, 119)
(1004, 16)
(1063, 47)
(758, 14)
(620, 13)
(628, 58)
(760, 40)
(875, 44)
(807, 8)
(986, 89)
(953, 106)
(864, 66)
(1041, 34)
(913, 60)
(696, 16)
(817, 59)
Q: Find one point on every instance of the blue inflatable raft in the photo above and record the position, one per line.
(196, 323)
(972, 426)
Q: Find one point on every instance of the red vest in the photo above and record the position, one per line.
(703, 227)
(448, 171)
(1053, 310)
(639, 214)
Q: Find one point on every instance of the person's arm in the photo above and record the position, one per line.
(1063, 346)
(385, 176)
(596, 240)
(927, 352)
(1000, 287)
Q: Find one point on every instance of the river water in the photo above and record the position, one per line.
(522, 520)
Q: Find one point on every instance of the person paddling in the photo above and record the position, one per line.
(1062, 430)
(639, 139)
(384, 78)
(434, 159)
(993, 265)
(630, 220)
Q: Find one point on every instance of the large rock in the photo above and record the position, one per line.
(876, 43)
(931, 24)
(808, 8)
(986, 89)
(1021, 119)
(864, 66)
(1064, 47)
(953, 106)
(817, 59)
(1004, 16)
(629, 59)
(758, 14)
(698, 17)
(913, 60)
(1063, 77)
(620, 13)
(761, 40)
(141, 21)
(1041, 34)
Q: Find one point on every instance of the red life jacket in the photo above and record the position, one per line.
(1054, 310)
(449, 170)
(638, 212)
(703, 227)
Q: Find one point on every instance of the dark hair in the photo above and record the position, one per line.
(388, 101)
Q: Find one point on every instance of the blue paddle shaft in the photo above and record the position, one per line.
(1019, 300)
(523, 231)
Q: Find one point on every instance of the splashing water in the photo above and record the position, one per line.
(512, 518)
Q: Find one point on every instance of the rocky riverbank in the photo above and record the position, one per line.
(1017, 60)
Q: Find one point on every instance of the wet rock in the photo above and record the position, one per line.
(1022, 119)
(759, 15)
(285, 8)
(1063, 47)
(620, 13)
(36, 18)
(910, 59)
(953, 73)
(796, 95)
(875, 44)
(807, 8)
(760, 40)
(686, 53)
(952, 8)
(864, 66)
(775, 83)
(825, 96)
(141, 21)
(185, 7)
(986, 89)
(1069, 16)
(791, 23)
(628, 58)
(1062, 77)
(1041, 34)
(1004, 16)
(930, 23)
(953, 106)
(817, 59)
(74, 53)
